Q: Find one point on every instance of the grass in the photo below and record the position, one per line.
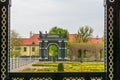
(68, 67)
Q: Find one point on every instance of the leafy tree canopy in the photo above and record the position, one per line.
(15, 43)
(53, 50)
(58, 30)
(84, 33)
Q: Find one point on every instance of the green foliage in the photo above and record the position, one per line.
(15, 53)
(101, 54)
(53, 50)
(68, 67)
(45, 64)
(68, 53)
(84, 33)
(86, 54)
(58, 30)
(91, 50)
(60, 67)
(86, 46)
(15, 43)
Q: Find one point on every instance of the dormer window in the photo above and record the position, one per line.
(33, 43)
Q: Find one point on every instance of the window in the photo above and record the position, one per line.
(33, 49)
(25, 49)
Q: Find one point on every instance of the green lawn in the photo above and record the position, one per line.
(68, 67)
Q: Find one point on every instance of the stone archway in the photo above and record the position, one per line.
(45, 40)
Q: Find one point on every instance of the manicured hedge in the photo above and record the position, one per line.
(53, 65)
(88, 50)
(66, 67)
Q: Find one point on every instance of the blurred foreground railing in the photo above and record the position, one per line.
(16, 63)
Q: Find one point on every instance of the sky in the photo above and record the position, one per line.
(42, 15)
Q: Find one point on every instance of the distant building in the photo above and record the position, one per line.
(96, 40)
(72, 37)
(30, 45)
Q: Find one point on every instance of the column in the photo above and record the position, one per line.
(46, 52)
(65, 42)
(59, 51)
(40, 49)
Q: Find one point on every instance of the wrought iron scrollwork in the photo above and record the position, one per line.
(112, 0)
(3, 39)
(110, 33)
(3, 0)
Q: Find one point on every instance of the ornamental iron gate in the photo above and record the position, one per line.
(112, 46)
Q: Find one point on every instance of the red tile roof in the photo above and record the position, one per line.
(31, 40)
(72, 37)
(93, 40)
(96, 40)
(34, 39)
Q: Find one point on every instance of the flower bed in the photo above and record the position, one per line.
(68, 67)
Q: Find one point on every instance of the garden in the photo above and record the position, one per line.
(65, 67)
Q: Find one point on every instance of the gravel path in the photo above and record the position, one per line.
(28, 66)
(16, 70)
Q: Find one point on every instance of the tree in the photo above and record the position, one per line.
(61, 31)
(53, 51)
(84, 33)
(15, 43)
(57, 30)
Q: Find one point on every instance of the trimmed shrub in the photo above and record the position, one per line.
(60, 67)
(45, 64)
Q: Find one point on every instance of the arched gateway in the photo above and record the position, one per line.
(45, 40)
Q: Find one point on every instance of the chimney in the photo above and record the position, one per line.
(31, 33)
